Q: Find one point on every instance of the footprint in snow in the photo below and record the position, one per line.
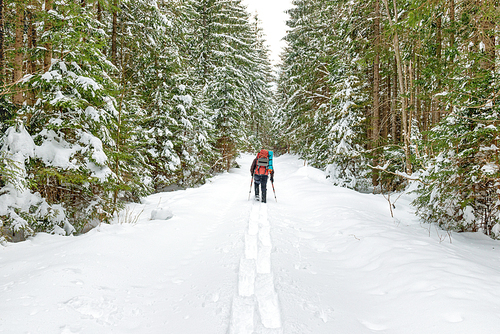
(372, 326)
(242, 316)
(70, 330)
(246, 277)
(267, 300)
(251, 248)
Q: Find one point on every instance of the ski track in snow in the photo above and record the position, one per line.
(256, 308)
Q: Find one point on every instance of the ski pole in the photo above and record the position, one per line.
(274, 191)
(250, 191)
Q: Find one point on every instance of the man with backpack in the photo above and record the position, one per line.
(262, 167)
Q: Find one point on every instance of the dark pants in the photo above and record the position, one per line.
(262, 181)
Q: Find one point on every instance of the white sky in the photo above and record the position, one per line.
(273, 17)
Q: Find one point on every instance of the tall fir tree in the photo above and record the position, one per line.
(71, 124)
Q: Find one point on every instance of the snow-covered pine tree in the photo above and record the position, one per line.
(155, 72)
(460, 185)
(231, 72)
(259, 93)
(295, 114)
(141, 54)
(339, 118)
(70, 124)
(227, 89)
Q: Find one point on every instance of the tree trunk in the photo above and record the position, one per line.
(99, 11)
(30, 94)
(439, 47)
(452, 36)
(376, 88)
(394, 116)
(385, 111)
(436, 105)
(205, 33)
(389, 105)
(2, 52)
(18, 53)
(404, 108)
(487, 37)
(411, 90)
(439, 36)
(47, 59)
(114, 58)
(418, 101)
(452, 23)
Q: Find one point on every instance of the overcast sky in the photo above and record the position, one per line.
(273, 17)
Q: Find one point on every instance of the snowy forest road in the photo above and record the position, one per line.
(321, 260)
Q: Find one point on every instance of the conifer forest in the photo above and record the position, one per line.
(103, 102)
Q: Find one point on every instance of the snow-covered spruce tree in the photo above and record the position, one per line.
(295, 112)
(226, 54)
(341, 149)
(72, 122)
(260, 98)
(138, 30)
(192, 131)
(340, 143)
(154, 75)
(321, 89)
(229, 89)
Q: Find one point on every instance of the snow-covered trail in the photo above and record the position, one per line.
(320, 260)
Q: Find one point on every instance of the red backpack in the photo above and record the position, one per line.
(262, 162)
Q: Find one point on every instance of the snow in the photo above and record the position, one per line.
(490, 168)
(322, 259)
(186, 99)
(88, 83)
(56, 152)
(47, 76)
(18, 141)
(496, 229)
(161, 214)
(98, 154)
(100, 172)
(59, 97)
(469, 214)
(92, 113)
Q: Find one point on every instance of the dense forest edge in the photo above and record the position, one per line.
(107, 101)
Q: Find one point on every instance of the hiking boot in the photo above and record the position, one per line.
(257, 198)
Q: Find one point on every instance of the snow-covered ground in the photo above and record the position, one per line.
(320, 260)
